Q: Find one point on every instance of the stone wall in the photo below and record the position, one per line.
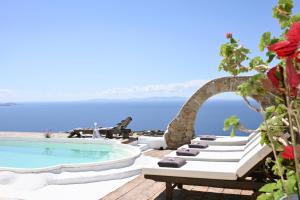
(181, 130)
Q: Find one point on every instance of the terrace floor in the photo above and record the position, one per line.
(145, 189)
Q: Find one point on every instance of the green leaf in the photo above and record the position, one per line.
(291, 183)
(278, 146)
(265, 41)
(270, 111)
(264, 138)
(296, 18)
(233, 122)
(274, 40)
(282, 11)
(278, 194)
(233, 56)
(270, 187)
(252, 87)
(232, 133)
(258, 64)
(265, 197)
(271, 57)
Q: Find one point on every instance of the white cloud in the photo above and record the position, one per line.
(182, 89)
(7, 95)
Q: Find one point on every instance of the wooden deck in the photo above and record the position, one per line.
(145, 189)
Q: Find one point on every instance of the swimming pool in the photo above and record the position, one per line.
(45, 155)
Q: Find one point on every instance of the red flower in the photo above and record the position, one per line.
(228, 35)
(275, 75)
(287, 48)
(294, 33)
(297, 56)
(284, 48)
(288, 152)
(293, 78)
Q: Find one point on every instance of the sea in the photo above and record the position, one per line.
(148, 115)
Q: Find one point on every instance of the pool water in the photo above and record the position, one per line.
(39, 154)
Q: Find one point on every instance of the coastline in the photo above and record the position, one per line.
(32, 134)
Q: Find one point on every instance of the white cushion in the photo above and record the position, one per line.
(252, 158)
(196, 169)
(219, 148)
(222, 148)
(228, 140)
(212, 156)
(216, 156)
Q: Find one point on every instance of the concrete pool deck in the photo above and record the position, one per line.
(45, 186)
(34, 187)
(135, 187)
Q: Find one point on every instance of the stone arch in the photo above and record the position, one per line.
(181, 130)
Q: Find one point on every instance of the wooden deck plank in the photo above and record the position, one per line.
(232, 191)
(188, 187)
(124, 189)
(157, 190)
(157, 153)
(200, 188)
(247, 192)
(141, 192)
(215, 190)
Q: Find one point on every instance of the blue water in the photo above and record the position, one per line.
(20, 154)
(146, 115)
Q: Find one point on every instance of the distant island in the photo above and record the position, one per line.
(8, 104)
(142, 99)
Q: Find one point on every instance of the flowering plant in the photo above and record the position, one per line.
(288, 152)
(281, 83)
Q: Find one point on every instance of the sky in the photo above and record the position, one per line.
(70, 50)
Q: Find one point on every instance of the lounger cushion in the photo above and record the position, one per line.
(217, 148)
(187, 152)
(229, 141)
(196, 169)
(212, 156)
(207, 137)
(225, 141)
(224, 148)
(171, 162)
(198, 145)
(221, 156)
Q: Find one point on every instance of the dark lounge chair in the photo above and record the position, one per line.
(119, 130)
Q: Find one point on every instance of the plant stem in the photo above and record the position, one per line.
(250, 106)
(280, 171)
(297, 123)
(293, 134)
(294, 142)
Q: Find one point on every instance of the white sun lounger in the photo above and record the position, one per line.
(223, 148)
(214, 174)
(220, 156)
(228, 140)
(227, 148)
